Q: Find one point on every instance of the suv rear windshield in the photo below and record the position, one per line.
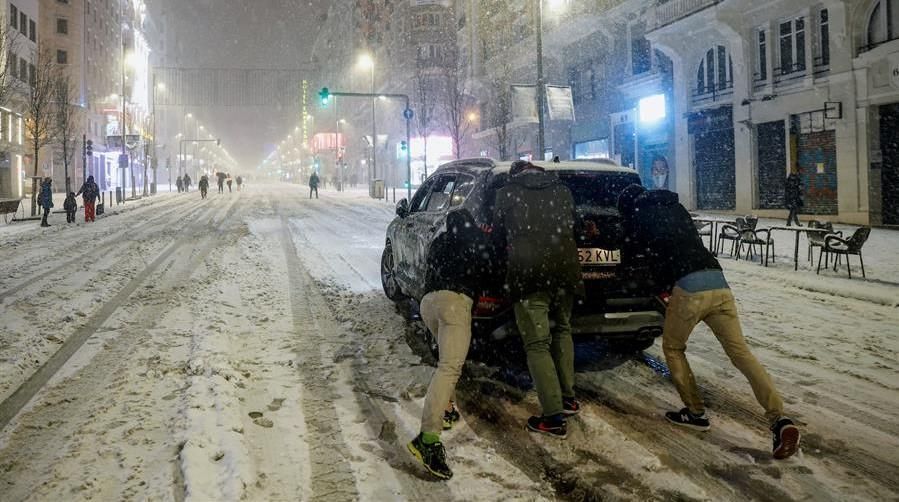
(598, 189)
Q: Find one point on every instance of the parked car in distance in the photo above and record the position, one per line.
(621, 304)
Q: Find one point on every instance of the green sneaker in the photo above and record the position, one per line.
(432, 456)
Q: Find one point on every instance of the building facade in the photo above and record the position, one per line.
(717, 99)
(20, 21)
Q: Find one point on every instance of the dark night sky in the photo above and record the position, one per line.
(243, 34)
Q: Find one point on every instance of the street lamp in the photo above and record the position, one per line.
(366, 62)
(555, 6)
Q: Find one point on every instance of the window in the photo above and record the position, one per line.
(595, 149)
(23, 70)
(716, 72)
(792, 46)
(641, 55)
(883, 26)
(12, 62)
(823, 56)
(32, 30)
(464, 186)
(13, 16)
(23, 23)
(62, 57)
(62, 26)
(440, 195)
(420, 200)
(31, 74)
(762, 56)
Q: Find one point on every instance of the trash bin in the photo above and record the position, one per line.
(376, 190)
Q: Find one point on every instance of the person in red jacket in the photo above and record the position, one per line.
(89, 192)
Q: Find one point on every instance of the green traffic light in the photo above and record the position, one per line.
(325, 96)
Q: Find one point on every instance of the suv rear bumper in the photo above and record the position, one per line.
(643, 323)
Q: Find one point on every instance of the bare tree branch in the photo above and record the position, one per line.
(39, 123)
(9, 42)
(65, 118)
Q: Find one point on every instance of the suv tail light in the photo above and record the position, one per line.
(487, 306)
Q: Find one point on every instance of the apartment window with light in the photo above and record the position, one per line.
(62, 26)
(792, 46)
(762, 59)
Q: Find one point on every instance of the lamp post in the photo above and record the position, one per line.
(156, 87)
(541, 125)
(555, 5)
(366, 62)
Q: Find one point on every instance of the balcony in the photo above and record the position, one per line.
(667, 12)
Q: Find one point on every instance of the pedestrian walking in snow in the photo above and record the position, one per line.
(660, 231)
(228, 180)
(71, 206)
(221, 181)
(239, 181)
(180, 184)
(793, 198)
(187, 182)
(535, 213)
(89, 193)
(45, 200)
(313, 185)
(452, 279)
(204, 186)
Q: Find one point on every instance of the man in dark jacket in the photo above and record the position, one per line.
(187, 181)
(455, 270)
(90, 192)
(535, 213)
(313, 185)
(660, 231)
(793, 198)
(45, 200)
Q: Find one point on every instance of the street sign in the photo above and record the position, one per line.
(408, 114)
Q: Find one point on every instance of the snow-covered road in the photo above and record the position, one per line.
(240, 349)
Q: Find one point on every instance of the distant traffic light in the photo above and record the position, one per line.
(325, 96)
(404, 146)
(89, 148)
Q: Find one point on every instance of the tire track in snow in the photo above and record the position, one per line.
(105, 375)
(34, 280)
(14, 403)
(332, 475)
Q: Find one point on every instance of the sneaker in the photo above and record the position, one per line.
(686, 419)
(432, 456)
(570, 406)
(550, 426)
(786, 438)
(450, 418)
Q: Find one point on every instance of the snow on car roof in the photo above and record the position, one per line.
(498, 167)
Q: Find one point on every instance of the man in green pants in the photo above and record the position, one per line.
(535, 212)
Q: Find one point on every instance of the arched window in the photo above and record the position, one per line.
(716, 71)
(883, 25)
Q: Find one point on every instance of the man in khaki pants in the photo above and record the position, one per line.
(660, 230)
(456, 268)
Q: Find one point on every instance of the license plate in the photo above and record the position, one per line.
(597, 256)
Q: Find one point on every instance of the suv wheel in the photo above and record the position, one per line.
(388, 277)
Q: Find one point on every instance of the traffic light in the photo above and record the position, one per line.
(403, 146)
(325, 95)
(89, 148)
(218, 142)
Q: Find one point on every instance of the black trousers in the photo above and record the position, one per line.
(793, 217)
(70, 216)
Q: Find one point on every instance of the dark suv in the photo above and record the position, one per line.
(621, 303)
